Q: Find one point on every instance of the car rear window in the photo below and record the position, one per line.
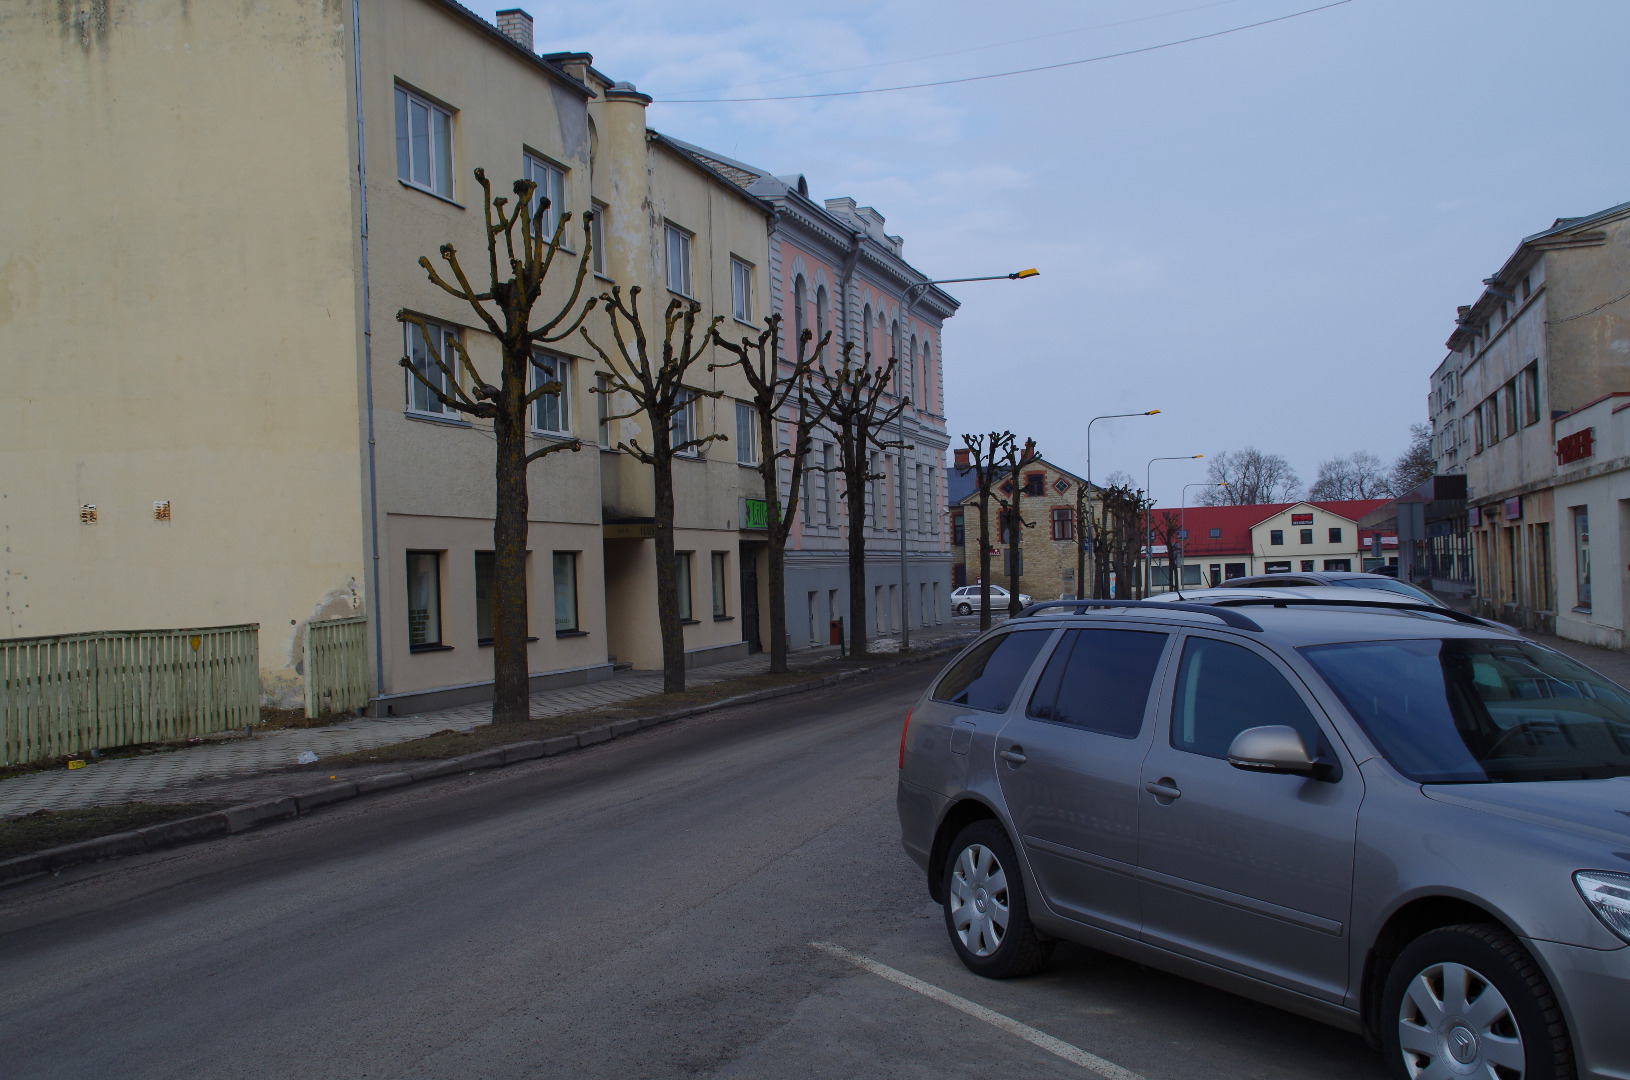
(1099, 680)
(989, 675)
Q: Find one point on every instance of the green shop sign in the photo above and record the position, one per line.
(755, 514)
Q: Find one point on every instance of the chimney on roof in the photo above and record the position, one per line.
(516, 25)
(962, 457)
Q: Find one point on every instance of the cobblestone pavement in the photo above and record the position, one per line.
(146, 778)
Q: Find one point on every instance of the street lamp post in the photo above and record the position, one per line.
(1083, 544)
(1148, 519)
(906, 300)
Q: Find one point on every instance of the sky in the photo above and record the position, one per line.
(1263, 234)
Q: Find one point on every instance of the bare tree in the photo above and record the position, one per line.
(773, 389)
(658, 389)
(1252, 477)
(529, 256)
(1011, 496)
(1119, 539)
(987, 458)
(1083, 515)
(1360, 475)
(1167, 531)
(1415, 465)
(856, 417)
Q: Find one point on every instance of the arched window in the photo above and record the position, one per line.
(865, 332)
(798, 296)
(894, 352)
(909, 363)
(930, 399)
(820, 318)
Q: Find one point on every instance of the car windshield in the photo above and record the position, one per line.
(1475, 710)
(1383, 584)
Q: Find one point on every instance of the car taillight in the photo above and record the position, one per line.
(905, 727)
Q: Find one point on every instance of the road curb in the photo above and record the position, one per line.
(239, 819)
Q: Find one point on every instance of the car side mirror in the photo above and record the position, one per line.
(1272, 748)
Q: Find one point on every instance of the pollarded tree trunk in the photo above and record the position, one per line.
(984, 563)
(511, 671)
(855, 496)
(668, 613)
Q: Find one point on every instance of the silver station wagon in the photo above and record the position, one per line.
(1391, 818)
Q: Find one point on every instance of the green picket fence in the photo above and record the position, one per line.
(70, 693)
(336, 666)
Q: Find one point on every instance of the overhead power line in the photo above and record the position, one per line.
(960, 52)
(1007, 74)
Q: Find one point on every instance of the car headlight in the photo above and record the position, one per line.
(1608, 895)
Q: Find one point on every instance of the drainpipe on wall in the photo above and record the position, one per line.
(368, 355)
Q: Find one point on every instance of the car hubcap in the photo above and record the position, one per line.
(1453, 1022)
(979, 900)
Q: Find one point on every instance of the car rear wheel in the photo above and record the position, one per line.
(1469, 1001)
(985, 908)
(964, 609)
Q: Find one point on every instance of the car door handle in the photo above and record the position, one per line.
(1014, 756)
(1163, 788)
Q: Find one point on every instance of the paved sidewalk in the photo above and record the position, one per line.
(146, 778)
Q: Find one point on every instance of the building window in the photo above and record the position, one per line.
(682, 575)
(1477, 429)
(866, 331)
(1035, 485)
(959, 529)
(746, 434)
(1510, 393)
(1530, 394)
(602, 409)
(424, 599)
(828, 513)
(1338, 565)
(1581, 555)
(1491, 416)
(1063, 523)
(551, 183)
(820, 313)
(932, 501)
(1272, 568)
(679, 260)
(597, 238)
(741, 290)
(424, 144)
(799, 299)
(1335, 536)
(721, 563)
(1307, 536)
(1307, 566)
(683, 428)
(1216, 534)
(1276, 537)
(565, 568)
(483, 597)
(550, 413)
(443, 340)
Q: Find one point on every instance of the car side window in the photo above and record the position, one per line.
(988, 677)
(1222, 689)
(1100, 680)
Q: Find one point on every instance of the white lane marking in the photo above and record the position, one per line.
(1107, 1069)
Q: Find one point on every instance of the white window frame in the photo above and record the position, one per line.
(683, 567)
(551, 181)
(719, 564)
(676, 247)
(415, 350)
(438, 119)
(746, 433)
(563, 401)
(683, 425)
(602, 409)
(741, 290)
(597, 230)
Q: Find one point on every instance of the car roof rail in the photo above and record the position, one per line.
(1080, 607)
(1417, 606)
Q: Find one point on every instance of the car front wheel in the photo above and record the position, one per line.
(1469, 1001)
(964, 609)
(986, 911)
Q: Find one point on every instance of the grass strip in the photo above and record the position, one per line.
(50, 828)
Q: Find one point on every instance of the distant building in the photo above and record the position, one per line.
(1228, 542)
(1049, 546)
(1548, 340)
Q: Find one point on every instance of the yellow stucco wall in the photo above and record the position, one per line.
(178, 316)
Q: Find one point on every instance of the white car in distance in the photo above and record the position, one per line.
(966, 600)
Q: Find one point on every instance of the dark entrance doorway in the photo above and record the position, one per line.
(749, 597)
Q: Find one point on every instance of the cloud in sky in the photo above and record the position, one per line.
(1263, 235)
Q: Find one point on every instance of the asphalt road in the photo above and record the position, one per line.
(642, 909)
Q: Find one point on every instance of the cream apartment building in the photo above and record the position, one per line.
(214, 216)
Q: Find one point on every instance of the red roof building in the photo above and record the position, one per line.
(1225, 542)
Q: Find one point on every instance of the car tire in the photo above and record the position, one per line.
(980, 856)
(964, 609)
(1437, 1001)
